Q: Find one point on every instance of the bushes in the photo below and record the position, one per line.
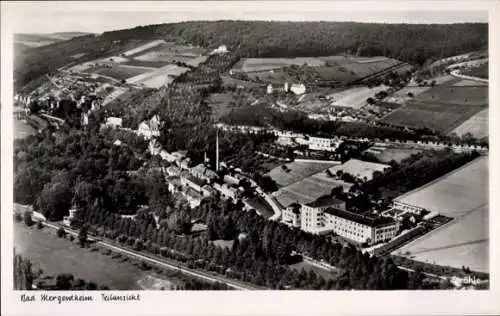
(61, 233)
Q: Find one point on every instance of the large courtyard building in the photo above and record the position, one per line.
(328, 215)
(359, 228)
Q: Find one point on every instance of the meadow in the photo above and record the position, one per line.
(463, 195)
(119, 72)
(476, 125)
(56, 255)
(296, 171)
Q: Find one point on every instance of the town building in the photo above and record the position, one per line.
(360, 228)
(20, 114)
(174, 184)
(291, 215)
(401, 206)
(192, 182)
(298, 88)
(227, 191)
(193, 197)
(207, 190)
(229, 179)
(312, 218)
(326, 144)
(202, 172)
(149, 129)
(114, 122)
(68, 219)
(173, 171)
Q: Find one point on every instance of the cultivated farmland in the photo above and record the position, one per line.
(119, 72)
(442, 108)
(262, 64)
(476, 125)
(296, 171)
(463, 195)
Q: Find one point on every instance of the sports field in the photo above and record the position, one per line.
(360, 169)
(463, 195)
(296, 171)
(309, 189)
(55, 256)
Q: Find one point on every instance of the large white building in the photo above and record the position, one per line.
(326, 144)
(312, 218)
(359, 228)
(327, 215)
(151, 128)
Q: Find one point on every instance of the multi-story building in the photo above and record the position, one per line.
(398, 205)
(192, 182)
(202, 172)
(312, 214)
(228, 191)
(149, 129)
(359, 228)
(114, 122)
(320, 143)
(291, 215)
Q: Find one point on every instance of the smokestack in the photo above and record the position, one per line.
(205, 158)
(217, 151)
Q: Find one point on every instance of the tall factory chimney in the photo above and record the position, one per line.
(217, 151)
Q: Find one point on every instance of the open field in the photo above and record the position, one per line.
(476, 125)
(439, 116)
(462, 194)
(260, 64)
(163, 73)
(297, 171)
(386, 154)
(401, 96)
(465, 82)
(309, 189)
(359, 168)
(368, 67)
(464, 242)
(23, 130)
(466, 95)
(455, 193)
(119, 72)
(355, 97)
(55, 256)
(143, 47)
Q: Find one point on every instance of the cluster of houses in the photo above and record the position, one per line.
(287, 137)
(328, 215)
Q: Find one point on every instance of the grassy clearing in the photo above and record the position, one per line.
(440, 116)
(296, 171)
(386, 154)
(55, 256)
(119, 72)
(320, 271)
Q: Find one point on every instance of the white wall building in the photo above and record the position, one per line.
(114, 122)
(320, 143)
(298, 88)
(151, 128)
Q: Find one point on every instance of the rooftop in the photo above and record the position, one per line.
(195, 180)
(325, 201)
(360, 219)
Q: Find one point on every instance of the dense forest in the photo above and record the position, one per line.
(410, 43)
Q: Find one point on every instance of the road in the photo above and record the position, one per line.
(162, 262)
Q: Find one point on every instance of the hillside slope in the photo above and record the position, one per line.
(410, 43)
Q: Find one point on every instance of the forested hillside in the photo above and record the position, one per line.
(411, 43)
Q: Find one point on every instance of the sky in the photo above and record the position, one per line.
(98, 17)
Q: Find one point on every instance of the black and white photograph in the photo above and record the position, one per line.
(222, 146)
